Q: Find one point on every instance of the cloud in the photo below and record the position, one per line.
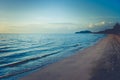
(90, 25)
(106, 17)
(99, 24)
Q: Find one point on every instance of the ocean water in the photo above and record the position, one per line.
(22, 53)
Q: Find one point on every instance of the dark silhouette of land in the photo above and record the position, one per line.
(86, 31)
(114, 30)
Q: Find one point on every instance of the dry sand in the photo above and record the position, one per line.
(99, 62)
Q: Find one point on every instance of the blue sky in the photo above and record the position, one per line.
(57, 16)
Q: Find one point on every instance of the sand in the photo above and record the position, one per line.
(99, 62)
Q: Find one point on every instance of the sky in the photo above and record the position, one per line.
(57, 16)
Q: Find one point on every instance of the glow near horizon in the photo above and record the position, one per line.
(57, 16)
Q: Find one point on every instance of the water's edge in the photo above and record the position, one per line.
(39, 56)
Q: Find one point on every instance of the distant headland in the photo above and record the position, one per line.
(86, 31)
(114, 30)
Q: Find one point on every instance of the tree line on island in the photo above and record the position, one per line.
(114, 30)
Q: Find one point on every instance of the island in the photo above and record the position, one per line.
(114, 30)
(86, 31)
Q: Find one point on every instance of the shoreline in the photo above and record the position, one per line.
(85, 65)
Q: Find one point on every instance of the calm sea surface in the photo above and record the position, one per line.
(22, 53)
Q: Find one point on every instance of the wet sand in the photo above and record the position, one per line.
(99, 62)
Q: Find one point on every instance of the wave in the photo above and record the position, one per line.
(27, 51)
(22, 50)
(27, 60)
(13, 49)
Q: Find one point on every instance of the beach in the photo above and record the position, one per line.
(98, 62)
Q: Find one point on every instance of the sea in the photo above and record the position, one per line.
(21, 54)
